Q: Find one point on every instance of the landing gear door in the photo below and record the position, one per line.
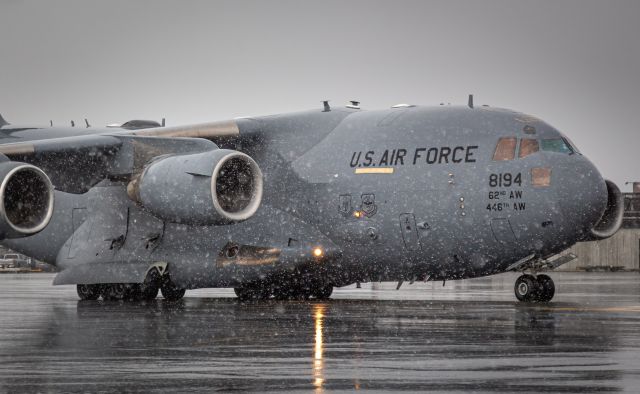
(409, 231)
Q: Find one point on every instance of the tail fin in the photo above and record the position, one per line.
(2, 121)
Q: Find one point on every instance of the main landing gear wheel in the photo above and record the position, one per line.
(304, 291)
(150, 287)
(148, 292)
(292, 292)
(528, 288)
(322, 292)
(120, 291)
(252, 293)
(88, 292)
(113, 291)
(243, 293)
(170, 291)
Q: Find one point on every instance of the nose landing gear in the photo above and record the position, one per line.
(529, 288)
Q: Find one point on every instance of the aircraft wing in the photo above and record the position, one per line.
(77, 163)
(73, 164)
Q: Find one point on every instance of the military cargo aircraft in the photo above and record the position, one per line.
(289, 206)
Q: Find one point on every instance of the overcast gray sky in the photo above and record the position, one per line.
(575, 64)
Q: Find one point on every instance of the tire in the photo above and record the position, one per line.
(149, 293)
(170, 292)
(150, 287)
(113, 291)
(547, 288)
(88, 292)
(252, 293)
(291, 291)
(120, 291)
(322, 292)
(242, 293)
(526, 288)
(283, 293)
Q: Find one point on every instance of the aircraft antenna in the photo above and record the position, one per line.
(471, 101)
(163, 122)
(327, 108)
(51, 123)
(87, 122)
(73, 124)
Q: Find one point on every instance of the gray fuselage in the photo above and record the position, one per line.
(405, 193)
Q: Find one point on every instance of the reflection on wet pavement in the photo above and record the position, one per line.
(317, 355)
(466, 336)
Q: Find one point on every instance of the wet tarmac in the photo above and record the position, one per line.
(467, 336)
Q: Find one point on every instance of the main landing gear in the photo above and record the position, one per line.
(529, 288)
(146, 291)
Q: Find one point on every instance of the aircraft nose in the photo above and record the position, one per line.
(583, 196)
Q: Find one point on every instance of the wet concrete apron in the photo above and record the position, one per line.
(467, 335)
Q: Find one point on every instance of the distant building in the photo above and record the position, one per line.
(620, 252)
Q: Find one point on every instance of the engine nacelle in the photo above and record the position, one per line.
(611, 219)
(26, 200)
(214, 187)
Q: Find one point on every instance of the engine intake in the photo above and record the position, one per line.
(213, 187)
(26, 199)
(611, 219)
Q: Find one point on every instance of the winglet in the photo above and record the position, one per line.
(2, 121)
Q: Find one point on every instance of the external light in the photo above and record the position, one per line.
(317, 252)
(357, 214)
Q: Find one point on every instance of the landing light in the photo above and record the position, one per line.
(317, 252)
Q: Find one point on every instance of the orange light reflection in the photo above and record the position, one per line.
(318, 362)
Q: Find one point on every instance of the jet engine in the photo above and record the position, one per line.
(26, 200)
(611, 219)
(214, 187)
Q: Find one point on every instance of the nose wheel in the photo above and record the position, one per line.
(529, 288)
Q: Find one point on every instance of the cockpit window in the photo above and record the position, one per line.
(528, 147)
(506, 149)
(571, 145)
(556, 145)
